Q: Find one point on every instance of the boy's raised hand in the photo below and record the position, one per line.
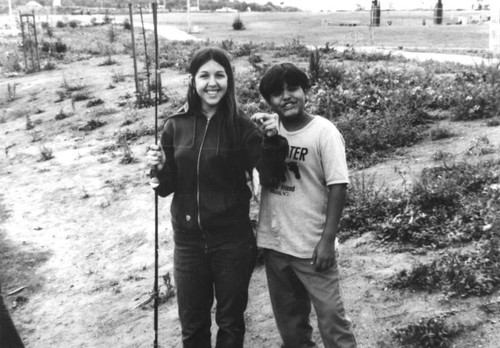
(267, 123)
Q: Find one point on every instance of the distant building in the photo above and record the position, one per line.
(226, 10)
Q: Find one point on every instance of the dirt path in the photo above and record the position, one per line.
(92, 218)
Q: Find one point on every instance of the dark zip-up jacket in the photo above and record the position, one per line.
(207, 177)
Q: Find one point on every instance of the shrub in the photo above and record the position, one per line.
(126, 24)
(60, 24)
(49, 66)
(457, 274)
(73, 24)
(238, 24)
(426, 333)
(441, 133)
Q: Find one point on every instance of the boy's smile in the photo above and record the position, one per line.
(289, 102)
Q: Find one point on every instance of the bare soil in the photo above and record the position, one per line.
(80, 228)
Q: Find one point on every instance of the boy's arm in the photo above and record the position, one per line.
(324, 254)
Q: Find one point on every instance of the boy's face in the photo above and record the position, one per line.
(288, 103)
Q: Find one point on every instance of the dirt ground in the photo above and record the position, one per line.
(84, 224)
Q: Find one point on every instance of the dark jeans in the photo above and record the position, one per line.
(8, 334)
(213, 263)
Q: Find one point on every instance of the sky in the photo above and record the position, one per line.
(335, 5)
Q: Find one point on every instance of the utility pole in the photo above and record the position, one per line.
(10, 8)
(188, 16)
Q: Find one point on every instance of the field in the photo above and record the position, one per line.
(406, 29)
(419, 253)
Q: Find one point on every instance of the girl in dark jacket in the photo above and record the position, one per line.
(206, 151)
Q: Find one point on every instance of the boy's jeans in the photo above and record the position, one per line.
(216, 263)
(293, 284)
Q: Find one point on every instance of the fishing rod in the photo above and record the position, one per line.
(155, 290)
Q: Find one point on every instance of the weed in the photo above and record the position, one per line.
(46, 153)
(439, 133)
(126, 24)
(108, 61)
(29, 123)
(495, 122)
(49, 66)
(35, 136)
(61, 115)
(238, 24)
(441, 155)
(95, 102)
(117, 76)
(91, 125)
(458, 274)
(103, 111)
(73, 24)
(427, 333)
(480, 146)
(80, 96)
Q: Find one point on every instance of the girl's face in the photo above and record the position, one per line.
(211, 82)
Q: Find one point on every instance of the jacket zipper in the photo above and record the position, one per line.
(198, 179)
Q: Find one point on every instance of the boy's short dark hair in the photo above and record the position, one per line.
(276, 77)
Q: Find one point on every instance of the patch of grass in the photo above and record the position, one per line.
(441, 155)
(80, 96)
(427, 333)
(449, 204)
(480, 146)
(117, 77)
(439, 133)
(92, 125)
(458, 274)
(494, 122)
(103, 111)
(95, 102)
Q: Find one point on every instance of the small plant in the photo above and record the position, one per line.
(61, 115)
(441, 133)
(79, 96)
(35, 137)
(480, 146)
(73, 24)
(109, 61)
(29, 123)
(95, 102)
(441, 155)
(46, 153)
(494, 122)
(49, 66)
(426, 333)
(126, 24)
(238, 24)
(91, 125)
(117, 76)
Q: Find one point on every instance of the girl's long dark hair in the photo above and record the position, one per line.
(228, 108)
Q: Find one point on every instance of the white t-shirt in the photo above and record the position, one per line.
(292, 216)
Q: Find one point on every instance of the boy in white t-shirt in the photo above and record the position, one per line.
(299, 217)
